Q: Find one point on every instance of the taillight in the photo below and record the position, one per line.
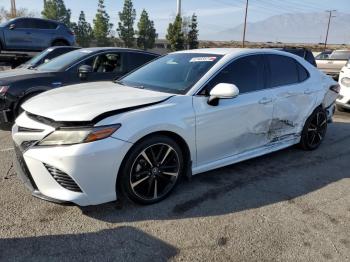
(335, 88)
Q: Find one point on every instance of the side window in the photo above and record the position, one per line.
(283, 70)
(246, 73)
(303, 73)
(24, 23)
(138, 59)
(41, 24)
(106, 63)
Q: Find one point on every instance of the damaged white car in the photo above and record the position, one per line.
(182, 114)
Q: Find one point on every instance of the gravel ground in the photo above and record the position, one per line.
(287, 206)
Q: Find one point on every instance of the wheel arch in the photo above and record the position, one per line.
(60, 40)
(176, 137)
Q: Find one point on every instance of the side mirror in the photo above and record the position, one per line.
(222, 91)
(84, 71)
(12, 26)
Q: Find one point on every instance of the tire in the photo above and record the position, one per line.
(314, 130)
(151, 170)
(59, 43)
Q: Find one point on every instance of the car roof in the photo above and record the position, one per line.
(101, 49)
(235, 51)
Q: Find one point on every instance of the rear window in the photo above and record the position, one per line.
(283, 70)
(340, 55)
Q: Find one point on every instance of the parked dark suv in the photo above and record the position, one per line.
(82, 65)
(33, 34)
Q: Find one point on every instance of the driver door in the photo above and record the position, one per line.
(18, 35)
(238, 124)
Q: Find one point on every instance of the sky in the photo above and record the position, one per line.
(213, 15)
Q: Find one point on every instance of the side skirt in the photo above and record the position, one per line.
(269, 148)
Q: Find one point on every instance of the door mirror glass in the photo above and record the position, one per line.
(222, 91)
(12, 26)
(84, 71)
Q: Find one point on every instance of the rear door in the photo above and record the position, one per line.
(18, 35)
(42, 33)
(295, 95)
(239, 124)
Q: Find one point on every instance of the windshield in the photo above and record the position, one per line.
(61, 62)
(340, 55)
(174, 73)
(37, 58)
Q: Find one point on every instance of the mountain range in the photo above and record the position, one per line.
(292, 28)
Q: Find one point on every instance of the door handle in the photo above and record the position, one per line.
(307, 91)
(265, 100)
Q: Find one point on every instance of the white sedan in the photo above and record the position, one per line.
(185, 113)
(343, 101)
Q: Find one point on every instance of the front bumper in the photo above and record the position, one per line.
(344, 97)
(92, 166)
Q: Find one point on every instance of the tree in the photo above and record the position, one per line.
(21, 12)
(126, 25)
(83, 31)
(192, 36)
(146, 32)
(102, 27)
(56, 10)
(175, 36)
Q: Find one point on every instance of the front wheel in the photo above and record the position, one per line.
(152, 170)
(314, 130)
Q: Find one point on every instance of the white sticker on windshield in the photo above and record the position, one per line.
(49, 50)
(86, 51)
(203, 59)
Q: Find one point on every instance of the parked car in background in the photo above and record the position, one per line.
(33, 34)
(302, 52)
(185, 113)
(343, 101)
(323, 55)
(334, 63)
(83, 65)
(47, 55)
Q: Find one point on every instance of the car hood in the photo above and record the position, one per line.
(9, 76)
(90, 101)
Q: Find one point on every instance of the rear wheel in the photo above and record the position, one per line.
(59, 43)
(152, 170)
(314, 130)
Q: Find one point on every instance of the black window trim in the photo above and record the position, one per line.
(266, 69)
(40, 20)
(228, 63)
(296, 65)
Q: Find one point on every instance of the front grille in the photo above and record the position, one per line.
(23, 166)
(63, 179)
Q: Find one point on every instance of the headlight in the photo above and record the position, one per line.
(3, 89)
(345, 81)
(71, 136)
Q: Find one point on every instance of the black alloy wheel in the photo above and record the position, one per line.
(314, 130)
(152, 170)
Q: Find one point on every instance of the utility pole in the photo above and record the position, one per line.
(178, 12)
(13, 8)
(329, 23)
(245, 22)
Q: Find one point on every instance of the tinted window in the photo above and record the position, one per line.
(303, 73)
(283, 70)
(41, 24)
(138, 59)
(24, 23)
(246, 73)
(173, 73)
(106, 63)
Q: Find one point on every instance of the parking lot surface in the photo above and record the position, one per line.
(291, 205)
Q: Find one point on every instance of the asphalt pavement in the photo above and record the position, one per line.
(290, 205)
